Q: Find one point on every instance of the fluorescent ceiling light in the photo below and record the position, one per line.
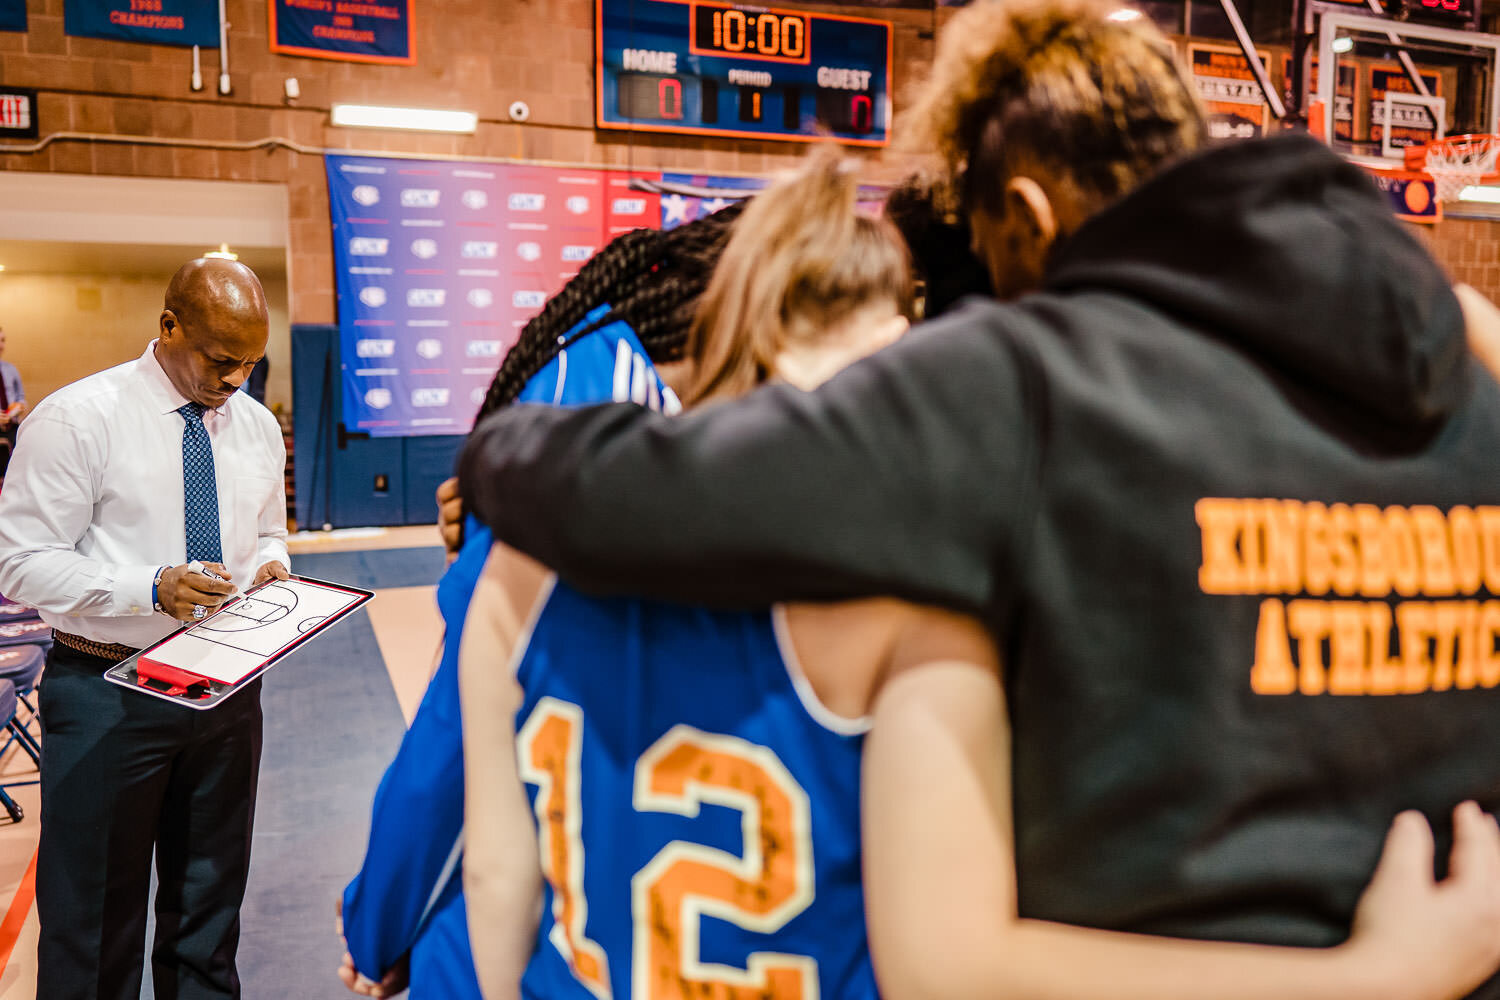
(1488, 194)
(1125, 14)
(418, 119)
(1343, 43)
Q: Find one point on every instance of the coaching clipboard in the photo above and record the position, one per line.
(203, 663)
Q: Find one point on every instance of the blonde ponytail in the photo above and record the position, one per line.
(801, 260)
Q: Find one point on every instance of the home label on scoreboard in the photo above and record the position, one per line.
(709, 68)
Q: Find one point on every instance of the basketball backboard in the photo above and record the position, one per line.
(1396, 84)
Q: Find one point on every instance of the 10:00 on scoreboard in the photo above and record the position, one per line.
(715, 69)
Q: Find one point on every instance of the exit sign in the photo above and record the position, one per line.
(17, 113)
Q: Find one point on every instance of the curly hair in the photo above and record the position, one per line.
(939, 240)
(1054, 86)
(650, 279)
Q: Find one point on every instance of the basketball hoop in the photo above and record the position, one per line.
(1460, 161)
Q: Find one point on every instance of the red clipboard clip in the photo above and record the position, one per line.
(179, 683)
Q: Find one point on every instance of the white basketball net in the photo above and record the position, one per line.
(1461, 162)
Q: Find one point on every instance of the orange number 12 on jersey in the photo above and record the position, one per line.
(759, 891)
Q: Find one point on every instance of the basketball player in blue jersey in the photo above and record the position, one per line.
(403, 914)
(687, 816)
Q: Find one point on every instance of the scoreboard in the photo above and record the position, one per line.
(1462, 15)
(709, 68)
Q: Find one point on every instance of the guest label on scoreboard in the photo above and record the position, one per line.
(750, 72)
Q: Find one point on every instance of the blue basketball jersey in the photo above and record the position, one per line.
(408, 895)
(697, 809)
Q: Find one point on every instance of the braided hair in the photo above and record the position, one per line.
(651, 280)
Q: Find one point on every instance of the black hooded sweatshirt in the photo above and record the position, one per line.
(1226, 490)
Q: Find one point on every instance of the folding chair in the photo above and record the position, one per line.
(25, 633)
(12, 611)
(21, 666)
(8, 713)
(17, 662)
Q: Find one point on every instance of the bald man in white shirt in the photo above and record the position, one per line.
(119, 482)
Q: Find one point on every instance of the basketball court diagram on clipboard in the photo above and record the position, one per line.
(237, 640)
(201, 665)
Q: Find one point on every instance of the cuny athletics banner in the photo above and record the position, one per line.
(439, 266)
(376, 31)
(160, 22)
(12, 15)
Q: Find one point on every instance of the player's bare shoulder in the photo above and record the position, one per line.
(848, 650)
(509, 590)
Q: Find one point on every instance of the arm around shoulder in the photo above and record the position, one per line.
(941, 929)
(1482, 320)
(899, 476)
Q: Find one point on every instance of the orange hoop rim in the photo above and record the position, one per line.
(1465, 160)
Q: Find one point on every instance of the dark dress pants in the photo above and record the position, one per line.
(124, 772)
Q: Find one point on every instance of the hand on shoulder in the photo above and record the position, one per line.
(1422, 939)
(1482, 320)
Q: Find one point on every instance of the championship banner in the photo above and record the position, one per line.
(439, 266)
(1236, 107)
(1413, 125)
(12, 15)
(677, 209)
(159, 22)
(378, 31)
(1343, 100)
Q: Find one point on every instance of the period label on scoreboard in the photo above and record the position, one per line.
(750, 72)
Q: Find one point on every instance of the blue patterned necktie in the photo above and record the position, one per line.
(200, 491)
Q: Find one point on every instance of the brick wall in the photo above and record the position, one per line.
(1469, 249)
(472, 54)
(477, 55)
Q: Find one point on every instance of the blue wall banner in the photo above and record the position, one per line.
(439, 266)
(12, 15)
(378, 31)
(677, 209)
(160, 22)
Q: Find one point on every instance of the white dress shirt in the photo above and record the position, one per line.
(93, 506)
